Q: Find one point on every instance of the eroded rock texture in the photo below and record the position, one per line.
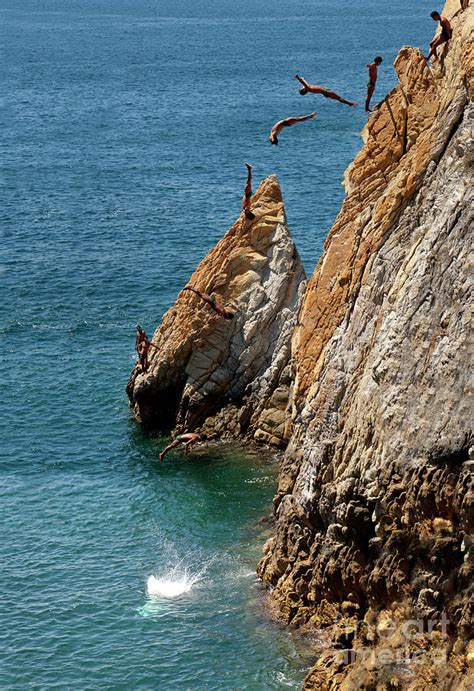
(230, 377)
(375, 503)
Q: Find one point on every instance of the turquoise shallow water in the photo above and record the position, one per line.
(74, 587)
(124, 130)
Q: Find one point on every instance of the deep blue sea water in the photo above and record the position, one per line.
(124, 128)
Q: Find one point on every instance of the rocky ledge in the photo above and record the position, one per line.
(230, 377)
(374, 512)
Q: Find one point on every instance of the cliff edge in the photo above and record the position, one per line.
(229, 377)
(374, 512)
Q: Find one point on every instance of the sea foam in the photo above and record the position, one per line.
(169, 587)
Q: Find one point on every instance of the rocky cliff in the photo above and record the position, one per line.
(374, 508)
(230, 377)
(364, 378)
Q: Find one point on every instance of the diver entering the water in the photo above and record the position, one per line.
(188, 439)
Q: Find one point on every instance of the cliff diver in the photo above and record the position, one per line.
(316, 89)
(248, 194)
(143, 347)
(278, 126)
(372, 67)
(445, 35)
(213, 302)
(140, 335)
(188, 439)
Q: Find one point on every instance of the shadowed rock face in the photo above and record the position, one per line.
(229, 377)
(375, 502)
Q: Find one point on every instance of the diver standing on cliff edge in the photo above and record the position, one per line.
(142, 346)
(140, 335)
(248, 194)
(444, 37)
(372, 67)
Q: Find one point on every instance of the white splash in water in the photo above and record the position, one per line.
(177, 581)
(169, 587)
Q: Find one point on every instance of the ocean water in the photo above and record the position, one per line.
(124, 128)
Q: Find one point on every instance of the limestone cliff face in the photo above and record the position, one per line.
(230, 377)
(375, 503)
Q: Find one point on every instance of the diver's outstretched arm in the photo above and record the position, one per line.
(173, 444)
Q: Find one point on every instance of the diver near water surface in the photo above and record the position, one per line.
(188, 439)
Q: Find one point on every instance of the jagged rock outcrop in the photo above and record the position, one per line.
(230, 377)
(375, 502)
